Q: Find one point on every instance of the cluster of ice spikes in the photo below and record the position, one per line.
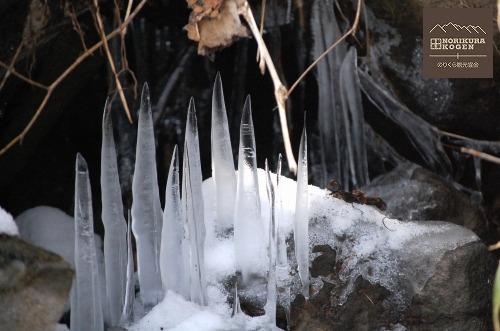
(171, 242)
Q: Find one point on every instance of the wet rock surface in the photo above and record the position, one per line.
(414, 193)
(34, 286)
(465, 106)
(372, 272)
(454, 295)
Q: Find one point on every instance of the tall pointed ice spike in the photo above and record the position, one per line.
(171, 256)
(222, 160)
(301, 222)
(270, 307)
(236, 302)
(248, 232)
(282, 268)
(146, 208)
(86, 312)
(193, 208)
(115, 240)
(128, 305)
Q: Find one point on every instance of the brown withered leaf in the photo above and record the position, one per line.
(215, 24)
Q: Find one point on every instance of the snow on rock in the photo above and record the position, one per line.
(397, 256)
(61, 327)
(174, 313)
(7, 224)
(54, 230)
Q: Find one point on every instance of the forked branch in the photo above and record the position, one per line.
(50, 88)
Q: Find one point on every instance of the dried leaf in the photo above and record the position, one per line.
(215, 24)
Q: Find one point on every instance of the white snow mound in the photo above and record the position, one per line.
(7, 224)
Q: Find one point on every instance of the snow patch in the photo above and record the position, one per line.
(7, 224)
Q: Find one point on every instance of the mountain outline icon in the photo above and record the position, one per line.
(475, 28)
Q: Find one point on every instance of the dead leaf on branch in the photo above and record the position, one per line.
(215, 24)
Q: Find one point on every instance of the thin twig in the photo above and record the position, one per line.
(23, 77)
(65, 74)
(111, 61)
(280, 91)
(494, 247)
(349, 32)
(10, 68)
(475, 153)
(481, 155)
(260, 59)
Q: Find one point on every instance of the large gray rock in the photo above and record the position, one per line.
(372, 272)
(414, 193)
(376, 273)
(34, 286)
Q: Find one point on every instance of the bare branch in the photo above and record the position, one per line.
(280, 91)
(65, 74)
(111, 61)
(21, 76)
(481, 155)
(10, 68)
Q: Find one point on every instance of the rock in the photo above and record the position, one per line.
(414, 193)
(372, 272)
(34, 286)
(464, 106)
(54, 230)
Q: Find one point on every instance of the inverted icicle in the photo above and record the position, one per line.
(222, 160)
(301, 221)
(333, 146)
(352, 107)
(115, 244)
(248, 233)
(171, 256)
(270, 307)
(128, 305)
(236, 302)
(87, 312)
(146, 208)
(193, 208)
(282, 268)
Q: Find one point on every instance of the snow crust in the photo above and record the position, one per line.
(7, 224)
(397, 255)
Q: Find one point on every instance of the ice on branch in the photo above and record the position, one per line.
(86, 306)
(115, 241)
(193, 208)
(146, 208)
(171, 255)
(222, 160)
(248, 225)
(301, 221)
